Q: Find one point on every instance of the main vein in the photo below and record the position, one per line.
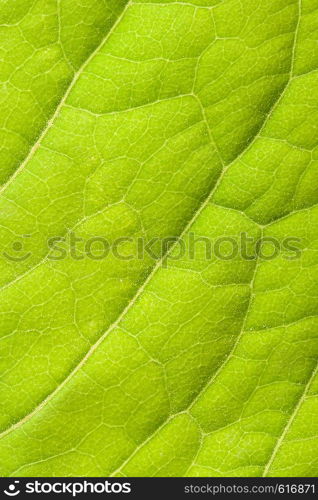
(51, 121)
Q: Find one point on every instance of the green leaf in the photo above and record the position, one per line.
(155, 120)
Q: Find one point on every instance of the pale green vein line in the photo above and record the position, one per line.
(186, 4)
(230, 355)
(296, 37)
(114, 324)
(289, 423)
(51, 121)
(82, 220)
(59, 20)
(205, 386)
(127, 110)
(208, 128)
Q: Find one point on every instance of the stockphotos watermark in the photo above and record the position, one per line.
(65, 487)
(127, 248)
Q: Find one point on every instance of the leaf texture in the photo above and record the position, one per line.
(158, 119)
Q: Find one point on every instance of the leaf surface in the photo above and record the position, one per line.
(152, 120)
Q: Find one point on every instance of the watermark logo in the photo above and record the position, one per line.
(12, 490)
(170, 248)
(16, 252)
